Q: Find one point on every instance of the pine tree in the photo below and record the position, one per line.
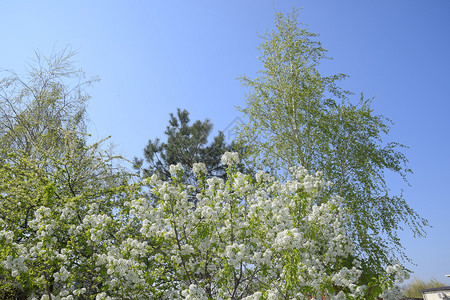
(186, 144)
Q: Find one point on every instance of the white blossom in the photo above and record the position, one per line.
(199, 169)
(230, 158)
(175, 169)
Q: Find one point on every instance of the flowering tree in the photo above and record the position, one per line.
(253, 238)
(51, 182)
(250, 238)
(57, 215)
(245, 238)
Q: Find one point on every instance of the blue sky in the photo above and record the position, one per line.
(155, 56)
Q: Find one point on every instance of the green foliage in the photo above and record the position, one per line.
(45, 163)
(413, 288)
(35, 107)
(186, 144)
(297, 116)
(80, 182)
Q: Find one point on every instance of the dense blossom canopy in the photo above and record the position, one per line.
(245, 238)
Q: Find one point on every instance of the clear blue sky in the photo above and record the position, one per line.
(155, 56)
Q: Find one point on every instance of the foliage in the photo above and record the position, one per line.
(44, 216)
(35, 106)
(296, 116)
(46, 168)
(412, 288)
(186, 144)
(72, 226)
(246, 238)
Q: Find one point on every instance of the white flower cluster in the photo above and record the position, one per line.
(398, 271)
(8, 235)
(175, 169)
(199, 169)
(15, 264)
(393, 293)
(230, 158)
(262, 177)
(395, 274)
(194, 293)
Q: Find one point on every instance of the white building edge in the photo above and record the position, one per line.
(438, 293)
